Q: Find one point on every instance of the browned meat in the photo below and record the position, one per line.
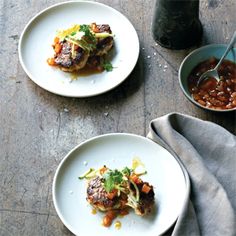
(68, 63)
(103, 45)
(101, 28)
(72, 53)
(98, 198)
(146, 201)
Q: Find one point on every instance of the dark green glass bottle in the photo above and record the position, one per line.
(176, 23)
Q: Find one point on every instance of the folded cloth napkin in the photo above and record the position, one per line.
(208, 154)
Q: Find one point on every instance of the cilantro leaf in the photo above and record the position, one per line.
(111, 179)
(107, 66)
(126, 171)
(90, 37)
(109, 185)
(85, 29)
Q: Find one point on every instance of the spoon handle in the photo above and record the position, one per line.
(231, 44)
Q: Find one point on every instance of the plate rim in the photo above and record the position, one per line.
(31, 21)
(68, 155)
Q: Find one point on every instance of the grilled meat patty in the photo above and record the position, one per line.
(98, 197)
(101, 28)
(146, 201)
(68, 63)
(103, 45)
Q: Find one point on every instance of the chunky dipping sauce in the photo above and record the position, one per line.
(210, 93)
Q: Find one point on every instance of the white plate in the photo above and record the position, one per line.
(117, 151)
(37, 38)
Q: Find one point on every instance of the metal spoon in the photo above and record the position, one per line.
(213, 73)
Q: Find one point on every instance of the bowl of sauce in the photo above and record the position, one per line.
(210, 94)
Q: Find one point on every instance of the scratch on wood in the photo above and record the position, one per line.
(118, 120)
(10, 180)
(59, 124)
(47, 198)
(23, 194)
(45, 226)
(26, 212)
(14, 37)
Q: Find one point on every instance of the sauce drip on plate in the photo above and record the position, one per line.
(117, 224)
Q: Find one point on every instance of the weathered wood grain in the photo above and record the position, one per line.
(38, 128)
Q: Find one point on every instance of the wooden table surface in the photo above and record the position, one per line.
(38, 128)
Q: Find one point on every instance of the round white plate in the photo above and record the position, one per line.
(117, 151)
(37, 38)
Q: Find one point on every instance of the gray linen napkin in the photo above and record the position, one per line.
(208, 154)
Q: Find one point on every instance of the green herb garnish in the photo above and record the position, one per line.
(126, 171)
(88, 174)
(123, 181)
(107, 66)
(90, 37)
(112, 178)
